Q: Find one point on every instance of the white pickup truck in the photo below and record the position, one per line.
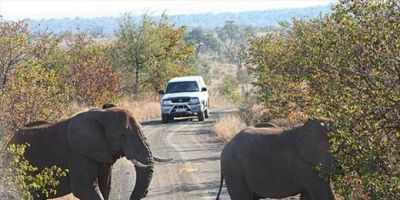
(183, 97)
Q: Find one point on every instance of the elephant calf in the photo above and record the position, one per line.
(277, 163)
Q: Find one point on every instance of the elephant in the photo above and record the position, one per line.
(108, 105)
(265, 125)
(87, 145)
(277, 163)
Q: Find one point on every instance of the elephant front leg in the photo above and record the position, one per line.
(83, 178)
(305, 196)
(105, 180)
(319, 189)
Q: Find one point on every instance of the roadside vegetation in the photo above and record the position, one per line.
(49, 77)
(343, 66)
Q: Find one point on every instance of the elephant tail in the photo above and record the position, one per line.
(220, 185)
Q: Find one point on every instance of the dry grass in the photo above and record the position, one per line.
(220, 102)
(144, 108)
(227, 127)
(251, 112)
(294, 119)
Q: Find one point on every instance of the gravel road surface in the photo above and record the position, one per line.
(193, 174)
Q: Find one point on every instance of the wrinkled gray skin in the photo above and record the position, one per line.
(276, 163)
(88, 144)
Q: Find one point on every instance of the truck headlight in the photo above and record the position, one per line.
(167, 102)
(194, 101)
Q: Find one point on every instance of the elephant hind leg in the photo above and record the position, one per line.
(305, 196)
(238, 189)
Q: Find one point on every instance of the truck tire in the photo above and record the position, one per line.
(165, 118)
(200, 116)
(206, 114)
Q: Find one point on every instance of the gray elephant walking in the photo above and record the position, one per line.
(277, 163)
(88, 144)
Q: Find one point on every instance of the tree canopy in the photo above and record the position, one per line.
(149, 53)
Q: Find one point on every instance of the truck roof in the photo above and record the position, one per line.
(186, 78)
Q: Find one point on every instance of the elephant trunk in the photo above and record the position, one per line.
(143, 179)
(144, 174)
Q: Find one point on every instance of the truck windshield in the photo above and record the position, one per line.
(186, 86)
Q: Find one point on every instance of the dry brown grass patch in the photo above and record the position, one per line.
(143, 108)
(220, 102)
(294, 119)
(227, 127)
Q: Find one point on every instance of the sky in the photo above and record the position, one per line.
(45, 9)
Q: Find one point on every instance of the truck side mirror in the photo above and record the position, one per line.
(203, 89)
(161, 92)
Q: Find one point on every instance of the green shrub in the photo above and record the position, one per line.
(19, 178)
(229, 88)
(344, 66)
(89, 72)
(32, 93)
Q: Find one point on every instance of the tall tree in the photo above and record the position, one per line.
(150, 52)
(202, 41)
(234, 43)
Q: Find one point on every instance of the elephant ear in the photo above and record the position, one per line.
(312, 142)
(86, 137)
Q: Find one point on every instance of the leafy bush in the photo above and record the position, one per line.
(32, 93)
(89, 72)
(20, 180)
(229, 88)
(344, 66)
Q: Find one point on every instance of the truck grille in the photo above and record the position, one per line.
(180, 99)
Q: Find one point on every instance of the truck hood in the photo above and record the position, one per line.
(181, 94)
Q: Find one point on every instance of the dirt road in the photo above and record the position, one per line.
(193, 174)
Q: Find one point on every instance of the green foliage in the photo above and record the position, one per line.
(202, 41)
(32, 93)
(21, 180)
(229, 88)
(17, 45)
(89, 72)
(149, 53)
(344, 66)
(233, 43)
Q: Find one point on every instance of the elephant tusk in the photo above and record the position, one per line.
(162, 159)
(139, 164)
